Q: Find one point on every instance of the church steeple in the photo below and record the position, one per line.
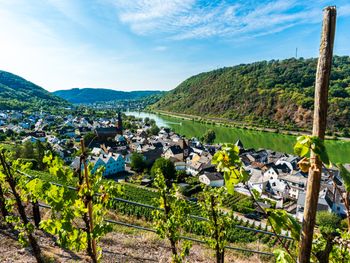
(120, 124)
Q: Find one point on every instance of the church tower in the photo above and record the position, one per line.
(120, 124)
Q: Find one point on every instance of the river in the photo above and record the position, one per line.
(339, 151)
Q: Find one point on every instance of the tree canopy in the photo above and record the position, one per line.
(271, 93)
(137, 162)
(209, 136)
(166, 167)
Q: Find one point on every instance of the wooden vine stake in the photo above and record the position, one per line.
(90, 208)
(319, 128)
(4, 211)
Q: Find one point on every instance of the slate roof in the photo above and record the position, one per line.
(214, 176)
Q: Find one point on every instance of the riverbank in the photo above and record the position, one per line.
(338, 150)
(237, 124)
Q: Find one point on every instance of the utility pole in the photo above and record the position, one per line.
(319, 128)
(296, 52)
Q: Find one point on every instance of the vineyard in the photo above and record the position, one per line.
(137, 201)
(239, 202)
(75, 198)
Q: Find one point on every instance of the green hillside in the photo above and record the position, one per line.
(272, 93)
(18, 93)
(92, 95)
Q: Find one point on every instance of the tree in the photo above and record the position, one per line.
(154, 130)
(166, 167)
(146, 120)
(328, 224)
(346, 132)
(327, 221)
(89, 137)
(40, 153)
(137, 162)
(209, 136)
(27, 150)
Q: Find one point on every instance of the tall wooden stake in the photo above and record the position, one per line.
(90, 211)
(319, 128)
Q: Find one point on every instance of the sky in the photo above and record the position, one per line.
(155, 44)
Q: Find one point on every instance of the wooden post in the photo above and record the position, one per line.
(4, 211)
(319, 128)
(36, 213)
(90, 211)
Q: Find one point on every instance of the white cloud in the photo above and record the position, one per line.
(190, 19)
(51, 57)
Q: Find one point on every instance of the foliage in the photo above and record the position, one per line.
(266, 93)
(170, 221)
(306, 143)
(154, 130)
(91, 95)
(323, 247)
(327, 221)
(18, 93)
(11, 182)
(149, 196)
(33, 152)
(227, 161)
(281, 220)
(88, 137)
(68, 207)
(216, 226)
(209, 137)
(239, 203)
(166, 167)
(137, 162)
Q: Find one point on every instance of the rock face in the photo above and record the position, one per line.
(274, 93)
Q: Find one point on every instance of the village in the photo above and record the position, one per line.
(127, 147)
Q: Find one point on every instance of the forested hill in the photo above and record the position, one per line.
(18, 93)
(92, 95)
(273, 93)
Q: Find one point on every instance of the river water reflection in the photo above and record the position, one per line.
(339, 151)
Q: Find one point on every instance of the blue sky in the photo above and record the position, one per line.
(154, 44)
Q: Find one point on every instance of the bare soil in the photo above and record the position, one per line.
(124, 245)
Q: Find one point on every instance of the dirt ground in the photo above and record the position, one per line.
(122, 246)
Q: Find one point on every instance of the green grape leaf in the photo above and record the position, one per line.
(282, 256)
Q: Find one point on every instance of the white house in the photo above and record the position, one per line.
(33, 139)
(324, 203)
(113, 163)
(212, 179)
(257, 179)
(284, 184)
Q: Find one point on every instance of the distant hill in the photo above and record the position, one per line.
(18, 93)
(92, 95)
(276, 93)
